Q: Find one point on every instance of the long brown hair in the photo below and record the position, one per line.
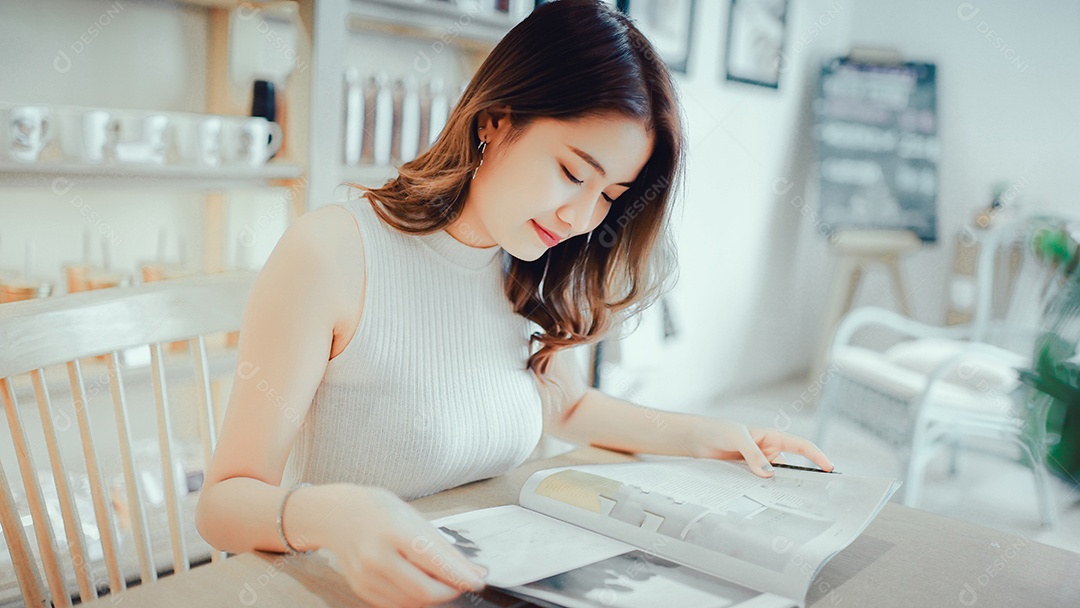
(569, 59)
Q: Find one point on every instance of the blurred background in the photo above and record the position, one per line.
(842, 154)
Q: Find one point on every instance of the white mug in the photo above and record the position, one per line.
(98, 133)
(85, 134)
(155, 130)
(252, 141)
(27, 132)
(198, 139)
(150, 142)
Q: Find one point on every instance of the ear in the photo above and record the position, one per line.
(494, 119)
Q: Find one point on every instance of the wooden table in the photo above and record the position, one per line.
(905, 558)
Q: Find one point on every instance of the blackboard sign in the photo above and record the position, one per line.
(876, 131)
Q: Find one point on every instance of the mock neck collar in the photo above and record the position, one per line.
(473, 258)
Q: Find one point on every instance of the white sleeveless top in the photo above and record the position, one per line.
(432, 391)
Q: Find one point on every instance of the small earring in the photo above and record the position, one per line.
(481, 147)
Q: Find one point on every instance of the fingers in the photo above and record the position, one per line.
(752, 454)
(759, 447)
(805, 447)
(416, 584)
(773, 442)
(402, 560)
(433, 554)
(396, 583)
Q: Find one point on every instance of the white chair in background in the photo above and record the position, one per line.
(941, 384)
(78, 331)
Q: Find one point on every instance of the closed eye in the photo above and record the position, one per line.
(577, 181)
(571, 177)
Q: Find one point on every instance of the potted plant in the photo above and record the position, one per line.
(1055, 377)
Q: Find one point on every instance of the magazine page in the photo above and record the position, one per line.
(717, 516)
(520, 546)
(638, 579)
(531, 555)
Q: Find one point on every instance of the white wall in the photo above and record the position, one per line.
(101, 52)
(751, 265)
(754, 272)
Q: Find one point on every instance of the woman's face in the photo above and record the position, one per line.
(558, 176)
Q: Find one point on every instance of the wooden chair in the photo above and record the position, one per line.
(106, 328)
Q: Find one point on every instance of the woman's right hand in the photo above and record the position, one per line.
(390, 555)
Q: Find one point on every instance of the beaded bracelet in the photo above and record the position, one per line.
(280, 528)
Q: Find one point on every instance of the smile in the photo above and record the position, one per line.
(546, 237)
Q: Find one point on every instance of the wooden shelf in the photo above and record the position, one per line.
(177, 176)
(429, 19)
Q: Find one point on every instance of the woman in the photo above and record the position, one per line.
(387, 349)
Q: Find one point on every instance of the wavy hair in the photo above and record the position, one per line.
(569, 59)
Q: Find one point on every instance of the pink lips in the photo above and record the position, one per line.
(548, 239)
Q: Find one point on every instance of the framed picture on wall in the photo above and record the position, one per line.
(755, 41)
(668, 24)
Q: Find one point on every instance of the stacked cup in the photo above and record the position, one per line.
(16, 285)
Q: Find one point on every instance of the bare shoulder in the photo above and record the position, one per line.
(331, 226)
(331, 232)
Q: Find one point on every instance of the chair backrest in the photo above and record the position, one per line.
(1019, 274)
(177, 324)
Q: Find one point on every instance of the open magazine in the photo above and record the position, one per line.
(675, 532)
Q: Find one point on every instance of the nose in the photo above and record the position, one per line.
(578, 213)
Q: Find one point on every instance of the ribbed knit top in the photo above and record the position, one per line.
(432, 390)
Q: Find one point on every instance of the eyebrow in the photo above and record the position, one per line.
(585, 156)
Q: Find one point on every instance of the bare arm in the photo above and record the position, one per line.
(586, 416)
(605, 421)
(390, 555)
(591, 417)
(285, 343)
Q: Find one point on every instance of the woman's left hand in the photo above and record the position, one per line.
(723, 439)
